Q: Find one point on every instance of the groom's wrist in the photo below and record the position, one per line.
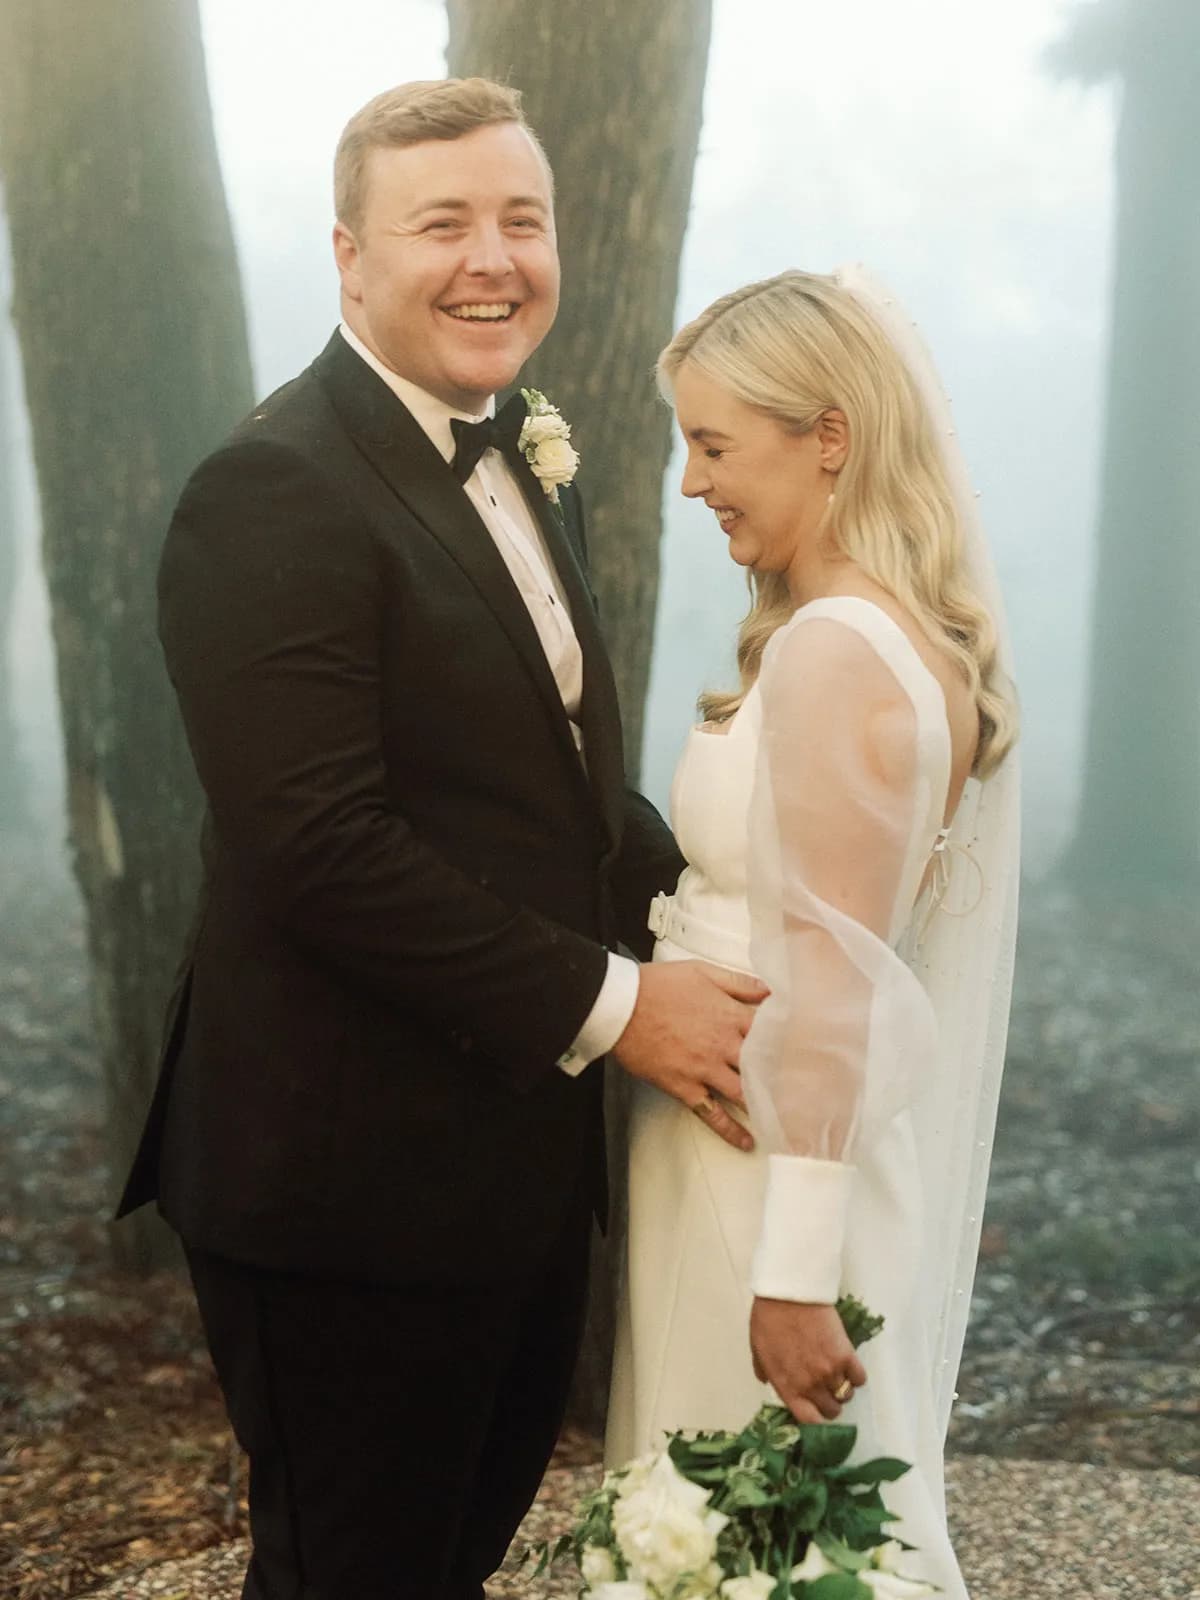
(608, 1018)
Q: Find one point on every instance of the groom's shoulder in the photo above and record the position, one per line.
(297, 415)
(289, 432)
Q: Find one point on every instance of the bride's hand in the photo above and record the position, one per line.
(804, 1353)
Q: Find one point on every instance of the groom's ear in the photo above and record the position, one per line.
(345, 254)
(833, 431)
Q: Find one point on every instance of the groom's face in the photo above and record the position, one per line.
(452, 279)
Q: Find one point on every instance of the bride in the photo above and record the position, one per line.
(849, 816)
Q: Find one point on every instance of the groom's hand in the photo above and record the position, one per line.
(685, 1037)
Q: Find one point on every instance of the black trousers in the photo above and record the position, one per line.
(396, 1436)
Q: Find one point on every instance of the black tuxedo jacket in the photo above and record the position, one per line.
(409, 876)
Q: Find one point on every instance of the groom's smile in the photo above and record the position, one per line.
(451, 278)
(486, 311)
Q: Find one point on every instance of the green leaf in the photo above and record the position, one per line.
(775, 1426)
(836, 1586)
(839, 1553)
(743, 1489)
(875, 1516)
(546, 1553)
(859, 1323)
(859, 1526)
(805, 1505)
(826, 1444)
(719, 1444)
(884, 1469)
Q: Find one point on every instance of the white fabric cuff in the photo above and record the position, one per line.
(799, 1254)
(608, 1018)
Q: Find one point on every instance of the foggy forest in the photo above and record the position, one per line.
(1023, 175)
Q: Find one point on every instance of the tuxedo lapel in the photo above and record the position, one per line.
(401, 452)
(600, 715)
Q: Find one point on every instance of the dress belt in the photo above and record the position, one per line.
(708, 941)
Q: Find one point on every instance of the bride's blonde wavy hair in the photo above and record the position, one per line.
(794, 347)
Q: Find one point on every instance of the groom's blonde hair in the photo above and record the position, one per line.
(436, 108)
(796, 346)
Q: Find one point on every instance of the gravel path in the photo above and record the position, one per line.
(1024, 1530)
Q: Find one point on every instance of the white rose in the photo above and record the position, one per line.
(892, 1586)
(597, 1565)
(618, 1591)
(550, 426)
(664, 1528)
(815, 1565)
(632, 1477)
(887, 1557)
(555, 461)
(702, 1585)
(755, 1585)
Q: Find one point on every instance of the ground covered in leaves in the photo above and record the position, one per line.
(114, 1453)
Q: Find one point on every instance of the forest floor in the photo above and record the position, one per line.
(1085, 1337)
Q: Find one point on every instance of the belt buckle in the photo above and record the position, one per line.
(659, 913)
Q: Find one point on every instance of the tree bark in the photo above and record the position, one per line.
(614, 90)
(15, 799)
(128, 307)
(1139, 822)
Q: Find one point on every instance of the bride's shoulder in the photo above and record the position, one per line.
(838, 651)
(835, 627)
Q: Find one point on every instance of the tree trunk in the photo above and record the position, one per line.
(128, 307)
(1140, 816)
(614, 90)
(15, 799)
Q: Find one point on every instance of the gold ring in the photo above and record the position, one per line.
(705, 1107)
(843, 1391)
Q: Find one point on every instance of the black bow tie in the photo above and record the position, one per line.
(500, 432)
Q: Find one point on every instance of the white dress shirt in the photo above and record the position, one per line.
(503, 509)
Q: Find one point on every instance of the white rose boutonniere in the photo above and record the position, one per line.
(545, 442)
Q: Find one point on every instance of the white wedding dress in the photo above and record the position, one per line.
(812, 825)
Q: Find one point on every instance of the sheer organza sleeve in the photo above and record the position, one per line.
(835, 1052)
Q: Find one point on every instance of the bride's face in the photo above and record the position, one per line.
(767, 485)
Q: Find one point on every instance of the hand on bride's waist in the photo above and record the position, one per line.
(685, 1036)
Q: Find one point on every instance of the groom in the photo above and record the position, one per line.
(376, 1128)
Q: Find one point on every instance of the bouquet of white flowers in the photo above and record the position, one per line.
(775, 1512)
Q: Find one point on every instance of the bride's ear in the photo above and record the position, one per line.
(833, 432)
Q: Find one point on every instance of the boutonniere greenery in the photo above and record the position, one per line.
(545, 442)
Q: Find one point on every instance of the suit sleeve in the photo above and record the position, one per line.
(649, 860)
(270, 617)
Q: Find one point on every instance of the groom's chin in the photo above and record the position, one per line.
(489, 359)
(486, 374)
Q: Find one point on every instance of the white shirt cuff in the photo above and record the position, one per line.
(799, 1254)
(608, 1018)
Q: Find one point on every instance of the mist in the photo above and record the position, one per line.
(933, 144)
(979, 160)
